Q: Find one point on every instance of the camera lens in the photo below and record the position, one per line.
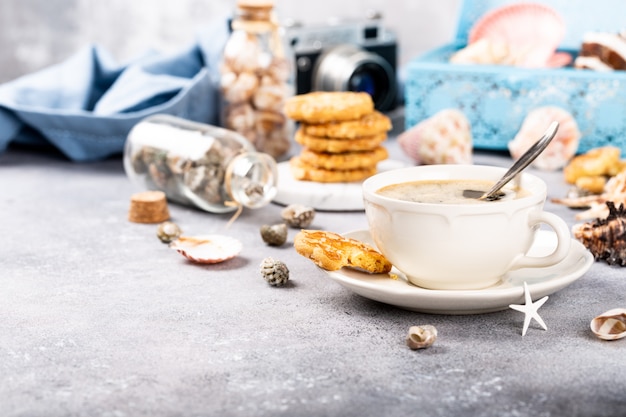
(369, 79)
(349, 68)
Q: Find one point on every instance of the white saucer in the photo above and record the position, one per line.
(341, 196)
(399, 292)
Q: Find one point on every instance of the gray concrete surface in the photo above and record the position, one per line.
(99, 318)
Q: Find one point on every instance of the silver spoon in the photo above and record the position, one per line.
(529, 156)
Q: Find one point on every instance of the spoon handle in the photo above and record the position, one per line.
(528, 157)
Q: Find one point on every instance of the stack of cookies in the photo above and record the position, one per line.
(341, 136)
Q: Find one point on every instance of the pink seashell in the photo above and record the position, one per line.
(444, 138)
(562, 148)
(532, 31)
(207, 249)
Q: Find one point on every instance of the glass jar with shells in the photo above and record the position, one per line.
(256, 78)
(211, 168)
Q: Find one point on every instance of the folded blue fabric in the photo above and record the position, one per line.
(86, 106)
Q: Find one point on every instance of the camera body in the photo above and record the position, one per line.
(346, 56)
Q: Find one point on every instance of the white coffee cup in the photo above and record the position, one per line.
(460, 246)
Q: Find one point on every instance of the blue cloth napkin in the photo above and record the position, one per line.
(86, 106)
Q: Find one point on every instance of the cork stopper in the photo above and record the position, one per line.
(255, 10)
(148, 207)
(256, 4)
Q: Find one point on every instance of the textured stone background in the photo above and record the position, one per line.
(37, 33)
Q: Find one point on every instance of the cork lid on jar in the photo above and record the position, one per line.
(256, 4)
(256, 11)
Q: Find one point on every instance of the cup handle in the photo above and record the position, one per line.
(564, 242)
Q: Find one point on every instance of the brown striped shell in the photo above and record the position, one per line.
(610, 325)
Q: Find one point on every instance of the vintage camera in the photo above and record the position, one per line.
(346, 56)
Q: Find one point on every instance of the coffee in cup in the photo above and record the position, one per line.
(420, 221)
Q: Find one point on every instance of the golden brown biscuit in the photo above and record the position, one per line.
(344, 160)
(597, 161)
(593, 184)
(320, 144)
(326, 106)
(332, 251)
(305, 172)
(370, 124)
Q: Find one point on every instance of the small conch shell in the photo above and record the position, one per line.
(421, 337)
(610, 325)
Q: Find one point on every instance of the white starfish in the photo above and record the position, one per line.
(530, 309)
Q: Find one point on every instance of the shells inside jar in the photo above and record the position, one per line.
(256, 79)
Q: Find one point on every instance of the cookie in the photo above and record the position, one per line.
(302, 171)
(597, 161)
(331, 145)
(326, 106)
(344, 160)
(332, 251)
(370, 124)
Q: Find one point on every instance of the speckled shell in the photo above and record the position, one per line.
(207, 249)
(605, 238)
(610, 325)
(444, 138)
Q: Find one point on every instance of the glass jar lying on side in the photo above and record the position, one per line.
(214, 169)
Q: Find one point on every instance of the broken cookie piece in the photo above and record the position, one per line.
(331, 251)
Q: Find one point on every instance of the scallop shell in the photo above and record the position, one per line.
(610, 325)
(207, 249)
(562, 147)
(533, 32)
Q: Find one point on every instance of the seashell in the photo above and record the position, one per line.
(559, 59)
(605, 238)
(168, 231)
(421, 337)
(238, 88)
(274, 235)
(242, 52)
(444, 138)
(207, 249)
(485, 52)
(275, 272)
(532, 32)
(610, 325)
(562, 147)
(298, 216)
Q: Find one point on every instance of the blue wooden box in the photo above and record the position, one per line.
(496, 98)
